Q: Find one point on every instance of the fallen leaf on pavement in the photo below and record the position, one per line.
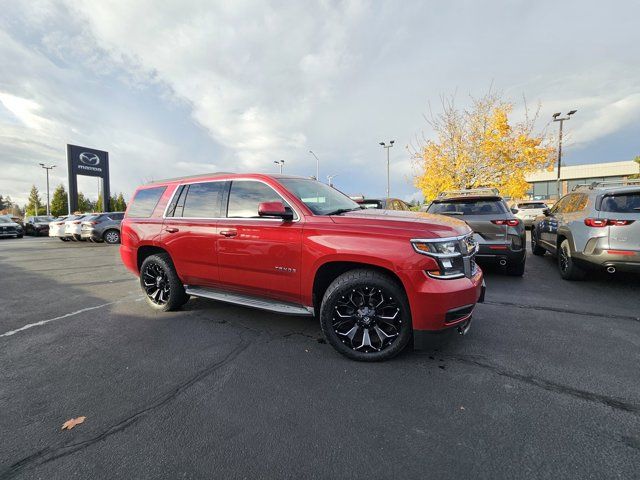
(69, 424)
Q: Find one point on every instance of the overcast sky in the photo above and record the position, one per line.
(185, 87)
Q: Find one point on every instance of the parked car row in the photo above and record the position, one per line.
(94, 227)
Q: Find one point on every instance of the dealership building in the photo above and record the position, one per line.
(543, 183)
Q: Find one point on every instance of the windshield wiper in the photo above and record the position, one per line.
(340, 211)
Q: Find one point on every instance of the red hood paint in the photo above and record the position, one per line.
(426, 225)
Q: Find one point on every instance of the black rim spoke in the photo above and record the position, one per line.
(367, 319)
(156, 284)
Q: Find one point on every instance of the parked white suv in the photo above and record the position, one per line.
(527, 212)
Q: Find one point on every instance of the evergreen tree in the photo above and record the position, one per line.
(119, 205)
(3, 205)
(84, 204)
(59, 202)
(98, 205)
(34, 205)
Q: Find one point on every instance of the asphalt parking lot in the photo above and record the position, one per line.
(545, 385)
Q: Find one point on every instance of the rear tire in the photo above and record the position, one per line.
(568, 269)
(365, 316)
(535, 248)
(160, 283)
(111, 236)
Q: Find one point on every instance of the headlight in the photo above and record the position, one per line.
(448, 253)
(437, 248)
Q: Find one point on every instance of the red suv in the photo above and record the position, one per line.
(292, 245)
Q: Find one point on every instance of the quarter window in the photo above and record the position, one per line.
(245, 196)
(145, 202)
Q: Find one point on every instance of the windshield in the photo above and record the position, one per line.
(321, 199)
(42, 219)
(468, 207)
(531, 206)
(5, 220)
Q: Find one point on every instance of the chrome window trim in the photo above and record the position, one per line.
(164, 214)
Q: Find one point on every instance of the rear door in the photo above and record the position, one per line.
(256, 255)
(189, 231)
(623, 209)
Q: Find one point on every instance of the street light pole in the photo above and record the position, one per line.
(558, 118)
(317, 165)
(387, 147)
(51, 167)
(280, 163)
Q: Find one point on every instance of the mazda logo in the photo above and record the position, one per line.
(90, 159)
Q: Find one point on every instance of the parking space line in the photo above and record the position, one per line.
(66, 315)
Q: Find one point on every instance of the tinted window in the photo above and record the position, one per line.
(245, 197)
(202, 200)
(530, 206)
(145, 202)
(468, 207)
(116, 216)
(621, 203)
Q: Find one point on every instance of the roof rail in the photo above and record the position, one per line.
(469, 192)
(592, 185)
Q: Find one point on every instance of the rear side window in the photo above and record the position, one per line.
(530, 206)
(245, 196)
(621, 203)
(145, 201)
(468, 207)
(201, 200)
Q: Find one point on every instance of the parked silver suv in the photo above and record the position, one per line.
(596, 226)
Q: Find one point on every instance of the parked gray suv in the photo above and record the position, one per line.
(596, 226)
(102, 227)
(500, 236)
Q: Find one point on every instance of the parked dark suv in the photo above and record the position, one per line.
(500, 235)
(597, 226)
(37, 225)
(102, 227)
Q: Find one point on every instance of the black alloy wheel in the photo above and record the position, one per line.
(156, 284)
(159, 281)
(568, 269)
(365, 316)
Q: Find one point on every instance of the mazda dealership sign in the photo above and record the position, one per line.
(91, 162)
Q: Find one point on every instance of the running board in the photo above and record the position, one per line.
(249, 301)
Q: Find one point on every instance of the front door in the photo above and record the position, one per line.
(189, 231)
(257, 255)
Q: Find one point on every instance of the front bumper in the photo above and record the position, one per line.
(438, 304)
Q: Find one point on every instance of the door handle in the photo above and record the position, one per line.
(171, 229)
(228, 233)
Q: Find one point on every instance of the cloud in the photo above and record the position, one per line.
(184, 87)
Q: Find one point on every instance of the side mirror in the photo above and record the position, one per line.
(547, 212)
(514, 210)
(275, 209)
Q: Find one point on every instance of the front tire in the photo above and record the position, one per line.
(365, 316)
(111, 237)
(568, 269)
(160, 283)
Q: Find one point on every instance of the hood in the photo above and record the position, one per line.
(10, 224)
(425, 225)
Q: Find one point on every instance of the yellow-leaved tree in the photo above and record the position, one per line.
(479, 147)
